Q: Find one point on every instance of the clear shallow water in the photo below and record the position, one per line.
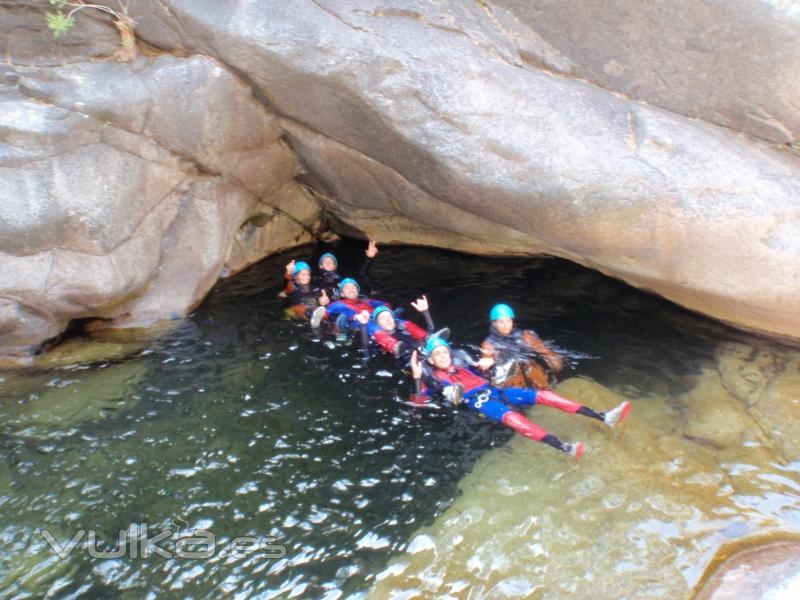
(244, 424)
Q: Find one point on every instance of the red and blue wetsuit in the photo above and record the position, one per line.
(344, 310)
(492, 402)
(406, 333)
(404, 337)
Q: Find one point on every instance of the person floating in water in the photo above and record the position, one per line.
(327, 275)
(394, 335)
(461, 382)
(304, 298)
(522, 359)
(344, 311)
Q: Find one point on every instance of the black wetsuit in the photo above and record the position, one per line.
(306, 296)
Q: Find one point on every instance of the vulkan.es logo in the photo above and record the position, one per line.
(177, 541)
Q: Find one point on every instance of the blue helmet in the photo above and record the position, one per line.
(500, 311)
(382, 309)
(328, 254)
(433, 343)
(300, 266)
(347, 280)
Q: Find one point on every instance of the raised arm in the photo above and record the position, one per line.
(363, 271)
(420, 395)
(423, 306)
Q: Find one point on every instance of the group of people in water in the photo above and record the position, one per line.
(515, 369)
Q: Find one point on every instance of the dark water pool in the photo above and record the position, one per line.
(244, 424)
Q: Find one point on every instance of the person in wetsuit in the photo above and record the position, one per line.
(304, 299)
(522, 359)
(327, 276)
(349, 305)
(394, 335)
(460, 382)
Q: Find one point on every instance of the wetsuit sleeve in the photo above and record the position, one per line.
(554, 360)
(364, 275)
(428, 321)
(415, 331)
(384, 339)
(340, 308)
(363, 329)
(422, 391)
(289, 284)
(365, 265)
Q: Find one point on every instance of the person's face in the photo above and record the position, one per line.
(440, 357)
(328, 264)
(303, 277)
(504, 325)
(350, 291)
(386, 321)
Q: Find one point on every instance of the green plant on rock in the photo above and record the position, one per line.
(63, 19)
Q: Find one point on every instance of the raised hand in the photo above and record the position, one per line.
(372, 249)
(362, 317)
(323, 299)
(416, 366)
(290, 268)
(421, 304)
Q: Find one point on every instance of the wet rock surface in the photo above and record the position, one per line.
(640, 516)
(766, 379)
(767, 569)
(125, 202)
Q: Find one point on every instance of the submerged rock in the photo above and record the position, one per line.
(638, 517)
(72, 397)
(766, 569)
(766, 379)
(712, 415)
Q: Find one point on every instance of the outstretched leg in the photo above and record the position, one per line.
(611, 418)
(486, 402)
(529, 429)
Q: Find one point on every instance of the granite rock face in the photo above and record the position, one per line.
(128, 190)
(492, 127)
(423, 121)
(730, 63)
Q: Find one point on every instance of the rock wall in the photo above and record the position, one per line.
(421, 122)
(732, 63)
(128, 190)
(494, 127)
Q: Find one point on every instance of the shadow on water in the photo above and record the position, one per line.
(245, 424)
